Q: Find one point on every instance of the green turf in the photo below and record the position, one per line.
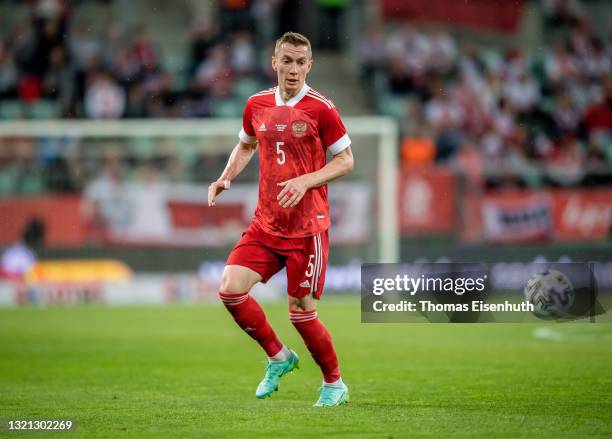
(189, 372)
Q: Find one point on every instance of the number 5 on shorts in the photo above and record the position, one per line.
(310, 269)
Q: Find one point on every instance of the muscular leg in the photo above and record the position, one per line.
(236, 283)
(303, 315)
(237, 279)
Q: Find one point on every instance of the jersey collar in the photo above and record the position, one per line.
(294, 100)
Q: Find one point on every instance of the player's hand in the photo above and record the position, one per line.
(293, 190)
(215, 189)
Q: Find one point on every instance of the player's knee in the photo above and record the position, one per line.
(237, 280)
(229, 284)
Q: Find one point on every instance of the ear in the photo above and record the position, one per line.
(274, 63)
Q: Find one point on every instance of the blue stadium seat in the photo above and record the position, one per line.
(246, 87)
(226, 108)
(7, 181)
(394, 106)
(45, 109)
(11, 109)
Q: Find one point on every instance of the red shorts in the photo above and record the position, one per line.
(305, 259)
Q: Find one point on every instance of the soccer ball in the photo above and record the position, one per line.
(551, 293)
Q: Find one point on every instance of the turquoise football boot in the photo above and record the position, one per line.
(274, 371)
(332, 396)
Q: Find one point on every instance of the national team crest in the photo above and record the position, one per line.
(299, 128)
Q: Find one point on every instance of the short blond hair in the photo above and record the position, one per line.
(295, 39)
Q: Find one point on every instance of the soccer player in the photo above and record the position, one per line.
(294, 127)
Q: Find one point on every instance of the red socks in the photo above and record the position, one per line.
(318, 341)
(251, 318)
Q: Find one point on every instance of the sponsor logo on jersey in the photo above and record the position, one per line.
(262, 127)
(299, 128)
(280, 127)
(305, 284)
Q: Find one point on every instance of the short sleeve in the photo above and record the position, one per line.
(247, 133)
(332, 131)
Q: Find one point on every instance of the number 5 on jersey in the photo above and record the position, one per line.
(281, 154)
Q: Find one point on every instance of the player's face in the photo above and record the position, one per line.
(292, 64)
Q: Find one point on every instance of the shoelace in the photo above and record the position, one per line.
(273, 368)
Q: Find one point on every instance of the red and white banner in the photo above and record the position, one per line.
(516, 217)
(60, 215)
(177, 215)
(168, 215)
(427, 201)
(583, 215)
(522, 216)
(188, 221)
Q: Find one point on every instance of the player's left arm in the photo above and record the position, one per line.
(294, 190)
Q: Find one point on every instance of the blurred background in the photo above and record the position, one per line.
(482, 132)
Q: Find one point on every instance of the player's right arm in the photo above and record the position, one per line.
(241, 155)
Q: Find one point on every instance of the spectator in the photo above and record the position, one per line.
(49, 34)
(598, 64)
(242, 58)
(126, 68)
(202, 40)
(164, 99)
(446, 117)
(561, 12)
(598, 116)
(418, 149)
(503, 119)
(371, 52)
(150, 218)
(84, 45)
(215, 75)
(19, 259)
(522, 93)
(559, 66)
(58, 83)
(8, 72)
(442, 53)
(104, 98)
(565, 165)
(596, 163)
(106, 202)
(566, 115)
(143, 49)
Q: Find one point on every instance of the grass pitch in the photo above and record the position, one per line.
(183, 371)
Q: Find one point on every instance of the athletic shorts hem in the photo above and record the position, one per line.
(242, 264)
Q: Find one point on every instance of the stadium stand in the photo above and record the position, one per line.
(521, 118)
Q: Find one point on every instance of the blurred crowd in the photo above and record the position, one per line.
(53, 65)
(499, 115)
(504, 117)
(119, 71)
(31, 166)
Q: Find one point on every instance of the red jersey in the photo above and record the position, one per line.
(293, 139)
